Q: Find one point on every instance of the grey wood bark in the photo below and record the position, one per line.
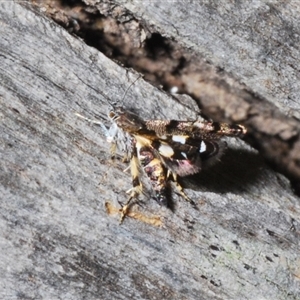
(257, 41)
(230, 51)
(58, 242)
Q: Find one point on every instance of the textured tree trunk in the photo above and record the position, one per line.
(60, 237)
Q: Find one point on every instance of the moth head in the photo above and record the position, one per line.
(126, 120)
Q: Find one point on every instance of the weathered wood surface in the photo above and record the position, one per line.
(257, 41)
(57, 241)
(230, 51)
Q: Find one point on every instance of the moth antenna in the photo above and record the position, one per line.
(111, 104)
(89, 120)
(122, 99)
(104, 129)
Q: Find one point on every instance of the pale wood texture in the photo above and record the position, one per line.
(57, 241)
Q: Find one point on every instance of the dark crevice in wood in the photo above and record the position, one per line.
(124, 37)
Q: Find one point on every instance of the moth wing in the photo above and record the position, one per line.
(189, 157)
(182, 167)
(182, 160)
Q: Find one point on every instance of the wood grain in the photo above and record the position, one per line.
(240, 242)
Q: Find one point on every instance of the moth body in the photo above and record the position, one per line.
(166, 148)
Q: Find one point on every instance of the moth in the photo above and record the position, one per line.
(165, 149)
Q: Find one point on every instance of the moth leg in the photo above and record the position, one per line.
(113, 149)
(137, 188)
(126, 159)
(179, 187)
(154, 169)
(158, 179)
(126, 169)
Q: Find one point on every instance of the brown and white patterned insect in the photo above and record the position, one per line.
(165, 149)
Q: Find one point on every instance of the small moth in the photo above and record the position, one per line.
(164, 149)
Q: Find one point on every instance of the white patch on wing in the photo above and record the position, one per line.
(179, 138)
(165, 150)
(184, 155)
(202, 147)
